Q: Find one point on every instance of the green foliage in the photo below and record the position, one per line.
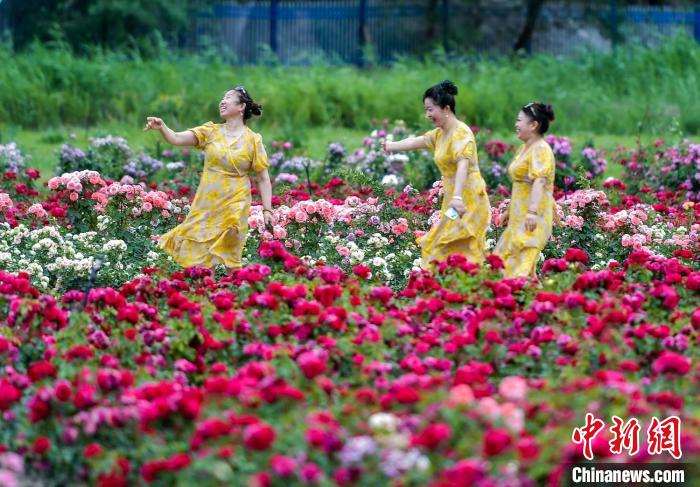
(135, 25)
(48, 87)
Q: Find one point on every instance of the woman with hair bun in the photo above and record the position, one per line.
(531, 210)
(215, 230)
(465, 212)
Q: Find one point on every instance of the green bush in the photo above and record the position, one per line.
(591, 92)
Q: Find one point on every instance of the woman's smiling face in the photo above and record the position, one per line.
(435, 113)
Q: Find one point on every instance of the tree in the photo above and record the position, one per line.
(111, 24)
(534, 7)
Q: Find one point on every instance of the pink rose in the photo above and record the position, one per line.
(461, 394)
(513, 388)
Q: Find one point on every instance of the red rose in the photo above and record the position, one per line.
(259, 436)
(282, 465)
(495, 262)
(226, 451)
(62, 390)
(432, 436)
(312, 363)
(554, 265)
(8, 394)
(260, 479)
(629, 366)
(41, 369)
(362, 271)
(496, 441)
(326, 295)
(406, 395)
(347, 475)
(668, 294)
(528, 449)
(92, 450)
(41, 445)
(695, 319)
(382, 293)
(190, 407)
(671, 362)
(576, 255)
(178, 461)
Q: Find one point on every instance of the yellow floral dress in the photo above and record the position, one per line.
(519, 248)
(466, 235)
(215, 230)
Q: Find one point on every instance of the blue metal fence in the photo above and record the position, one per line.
(351, 30)
(338, 30)
(356, 31)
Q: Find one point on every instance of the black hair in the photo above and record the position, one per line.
(251, 108)
(443, 94)
(541, 113)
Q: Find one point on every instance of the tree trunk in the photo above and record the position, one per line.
(431, 20)
(534, 7)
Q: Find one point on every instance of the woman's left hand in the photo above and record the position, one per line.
(530, 222)
(459, 207)
(267, 217)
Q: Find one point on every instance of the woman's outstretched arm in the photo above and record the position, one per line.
(181, 139)
(411, 143)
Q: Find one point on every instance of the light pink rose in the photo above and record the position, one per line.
(461, 394)
(513, 388)
(300, 216)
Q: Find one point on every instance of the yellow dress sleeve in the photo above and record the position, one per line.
(541, 163)
(464, 147)
(430, 139)
(203, 134)
(260, 161)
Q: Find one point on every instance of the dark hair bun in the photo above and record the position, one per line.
(542, 113)
(548, 112)
(256, 109)
(448, 87)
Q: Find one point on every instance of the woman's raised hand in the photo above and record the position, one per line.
(153, 123)
(385, 146)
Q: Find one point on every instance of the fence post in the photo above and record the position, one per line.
(613, 23)
(697, 21)
(273, 25)
(445, 24)
(362, 18)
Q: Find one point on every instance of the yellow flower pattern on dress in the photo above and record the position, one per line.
(215, 230)
(466, 235)
(519, 248)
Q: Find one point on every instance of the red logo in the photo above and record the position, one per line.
(665, 436)
(587, 434)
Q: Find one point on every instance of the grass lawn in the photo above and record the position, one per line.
(43, 145)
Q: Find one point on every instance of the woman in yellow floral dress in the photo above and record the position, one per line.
(464, 190)
(215, 230)
(531, 210)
